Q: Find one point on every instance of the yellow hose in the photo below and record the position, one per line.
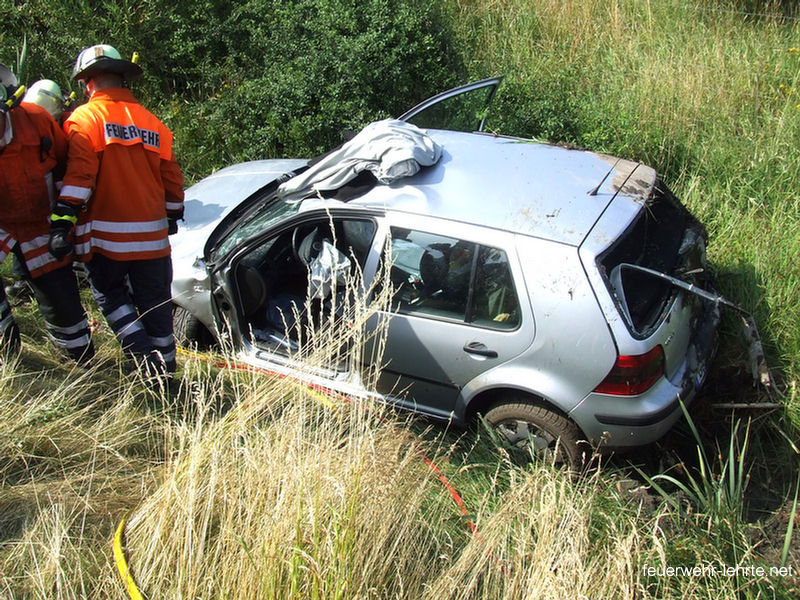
(122, 564)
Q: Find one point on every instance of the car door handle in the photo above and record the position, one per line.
(480, 349)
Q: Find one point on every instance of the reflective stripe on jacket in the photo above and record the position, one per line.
(29, 165)
(122, 168)
(37, 256)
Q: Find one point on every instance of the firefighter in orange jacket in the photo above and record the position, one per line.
(32, 154)
(47, 94)
(122, 196)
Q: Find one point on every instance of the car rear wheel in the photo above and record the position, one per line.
(189, 330)
(528, 431)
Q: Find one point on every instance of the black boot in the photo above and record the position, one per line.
(10, 344)
(19, 292)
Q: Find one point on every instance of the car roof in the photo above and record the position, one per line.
(516, 185)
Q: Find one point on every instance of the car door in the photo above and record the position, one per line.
(460, 309)
(462, 108)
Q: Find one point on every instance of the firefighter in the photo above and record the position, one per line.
(32, 154)
(122, 196)
(47, 94)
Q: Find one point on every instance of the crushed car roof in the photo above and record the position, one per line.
(516, 185)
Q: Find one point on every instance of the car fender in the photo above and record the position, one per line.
(560, 393)
(206, 204)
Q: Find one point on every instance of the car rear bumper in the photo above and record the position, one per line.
(616, 421)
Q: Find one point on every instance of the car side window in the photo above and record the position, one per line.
(494, 302)
(449, 278)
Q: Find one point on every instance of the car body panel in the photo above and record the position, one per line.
(574, 348)
(515, 185)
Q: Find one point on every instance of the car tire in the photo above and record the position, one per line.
(189, 330)
(529, 430)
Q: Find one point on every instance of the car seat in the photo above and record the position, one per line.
(252, 290)
(433, 268)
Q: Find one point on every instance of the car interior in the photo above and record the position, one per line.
(453, 279)
(291, 282)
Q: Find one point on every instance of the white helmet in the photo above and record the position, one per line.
(104, 58)
(47, 94)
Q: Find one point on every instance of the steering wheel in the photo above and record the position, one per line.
(307, 247)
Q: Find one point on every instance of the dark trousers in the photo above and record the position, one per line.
(135, 298)
(9, 330)
(59, 303)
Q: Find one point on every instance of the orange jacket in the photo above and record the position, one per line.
(121, 167)
(30, 167)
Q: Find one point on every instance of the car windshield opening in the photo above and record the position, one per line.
(264, 216)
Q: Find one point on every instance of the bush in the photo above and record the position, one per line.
(267, 78)
(276, 79)
(295, 75)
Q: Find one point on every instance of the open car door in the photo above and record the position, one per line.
(461, 109)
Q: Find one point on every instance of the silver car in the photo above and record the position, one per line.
(534, 284)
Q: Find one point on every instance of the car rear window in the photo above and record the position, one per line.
(653, 241)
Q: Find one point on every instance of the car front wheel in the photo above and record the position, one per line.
(189, 330)
(528, 431)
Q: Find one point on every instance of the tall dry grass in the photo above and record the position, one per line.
(252, 486)
(73, 456)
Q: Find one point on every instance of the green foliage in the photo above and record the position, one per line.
(790, 527)
(545, 107)
(293, 75)
(717, 488)
(265, 78)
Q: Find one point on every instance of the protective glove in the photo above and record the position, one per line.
(172, 226)
(59, 243)
(62, 222)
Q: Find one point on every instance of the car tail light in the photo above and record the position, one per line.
(633, 375)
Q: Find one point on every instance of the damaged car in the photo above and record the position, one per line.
(522, 276)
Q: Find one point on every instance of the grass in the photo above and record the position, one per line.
(717, 493)
(245, 485)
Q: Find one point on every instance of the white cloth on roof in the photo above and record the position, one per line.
(390, 149)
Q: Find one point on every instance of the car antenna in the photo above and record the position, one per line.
(594, 191)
